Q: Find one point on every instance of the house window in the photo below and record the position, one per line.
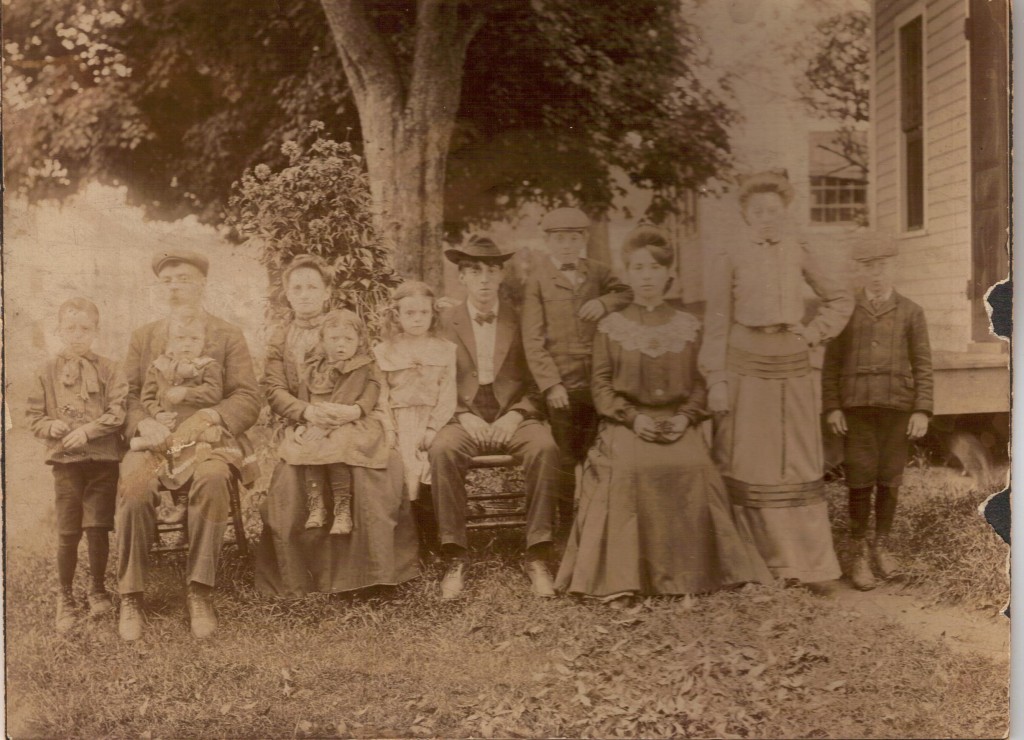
(838, 170)
(911, 60)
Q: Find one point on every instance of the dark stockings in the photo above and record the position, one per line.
(98, 542)
(860, 510)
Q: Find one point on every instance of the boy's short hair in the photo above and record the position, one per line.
(189, 323)
(81, 305)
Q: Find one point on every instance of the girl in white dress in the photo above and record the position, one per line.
(420, 371)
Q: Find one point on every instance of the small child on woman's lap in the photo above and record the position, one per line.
(342, 384)
(419, 369)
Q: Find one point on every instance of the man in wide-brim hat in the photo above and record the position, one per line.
(498, 411)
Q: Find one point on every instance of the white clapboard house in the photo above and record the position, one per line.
(940, 180)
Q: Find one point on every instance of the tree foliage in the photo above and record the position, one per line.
(176, 98)
(319, 203)
(835, 82)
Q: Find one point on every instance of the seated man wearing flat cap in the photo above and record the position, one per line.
(181, 276)
(498, 411)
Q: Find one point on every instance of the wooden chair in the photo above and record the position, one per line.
(237, 527)
(494, 510)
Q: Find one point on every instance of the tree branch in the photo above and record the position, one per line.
(369, 64)
(442, 39)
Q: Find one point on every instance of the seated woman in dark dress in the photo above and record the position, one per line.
(292, 560)
(654, 517)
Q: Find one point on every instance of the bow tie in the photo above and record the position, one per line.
(484, 318)
(568, 267)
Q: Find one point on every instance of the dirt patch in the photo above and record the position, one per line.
(960, 629)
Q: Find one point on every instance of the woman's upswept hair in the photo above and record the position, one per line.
(654, 240)
(309, 262)
(775, 181)
(411, 289)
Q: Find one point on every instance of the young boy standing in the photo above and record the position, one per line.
(78, 407)
(566, 295)
(877, 394)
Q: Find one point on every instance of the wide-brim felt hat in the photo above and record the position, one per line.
(767, 181)
(565, 219)
(162, 259)
(869, 246)
(478, 248)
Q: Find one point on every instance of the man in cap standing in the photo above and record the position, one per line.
(181, 276)
(566, 295)
(498, 411)
(877, 394)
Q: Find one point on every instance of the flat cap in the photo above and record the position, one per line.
(870, 246)
(565, 219)
(480, 248)
(161, 259)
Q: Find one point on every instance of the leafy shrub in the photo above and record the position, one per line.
(318, 204)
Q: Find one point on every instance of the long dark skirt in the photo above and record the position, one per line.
(654, 519)
(382, 549)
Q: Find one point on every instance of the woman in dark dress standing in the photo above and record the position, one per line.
(654, 517)
(291, 560)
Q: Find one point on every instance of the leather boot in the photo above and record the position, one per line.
(200, 610)
(451, 584)
(885, 562)
(65, 612)
(860, 567)
(129, 624)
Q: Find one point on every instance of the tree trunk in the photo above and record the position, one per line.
(407, 118)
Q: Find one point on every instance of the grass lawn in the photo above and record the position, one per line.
(760, 662)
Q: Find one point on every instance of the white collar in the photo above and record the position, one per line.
(558, 265)
(877, 298)
(474, 311)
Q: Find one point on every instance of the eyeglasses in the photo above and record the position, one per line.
(178, 280)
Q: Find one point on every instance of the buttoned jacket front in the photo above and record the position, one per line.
(558, 343)
(882, 359)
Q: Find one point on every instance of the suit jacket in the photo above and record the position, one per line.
(882, 358)
(226, 344)
(513, 386)
(558, 343)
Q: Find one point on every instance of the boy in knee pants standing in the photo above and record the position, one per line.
(877, 393)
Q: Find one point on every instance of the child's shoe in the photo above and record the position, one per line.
(885, 561)
(317, 517)
(860, 567)
(99, 604)
(65, 612)
(342, 522)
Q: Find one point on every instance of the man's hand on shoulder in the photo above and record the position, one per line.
(592, 310)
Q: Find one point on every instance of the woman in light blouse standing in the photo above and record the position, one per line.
(756, 358)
